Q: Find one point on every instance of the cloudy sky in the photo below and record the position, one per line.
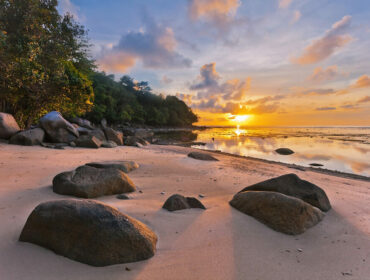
(276, 62)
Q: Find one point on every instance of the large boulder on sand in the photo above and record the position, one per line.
(292, 185)
(123, 165)
(90, 232)
(28, 137)
(113, 135)
(88, 141)
(89, 182)
(280, 212)
(179, 202)
(57, 129)
(202, 156)
(8, 126)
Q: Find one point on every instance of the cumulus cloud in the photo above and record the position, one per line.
(321, 48)
(155, 47)
(320, 75)
(285, 3)
(362, 82)
(208, 85)
(325, 108)
(208, 78)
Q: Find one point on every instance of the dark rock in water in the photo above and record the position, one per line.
(280, 212)
(89, 232)
(316, 164)
(123, 165)
(57, 129)
(113, 135)
(82, 122)
(89, 182)
(8, 126)
(122, 196)
(87, 141)
(202, 156)
(135, 141)
(284, 151)
(28, 137)
(179, 202)
(109, 144)
(292, 185)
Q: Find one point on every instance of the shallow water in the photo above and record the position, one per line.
(345, 149)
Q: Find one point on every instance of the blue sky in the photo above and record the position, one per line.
(268, 59)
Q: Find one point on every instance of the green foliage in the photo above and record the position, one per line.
(44, 62)
(129, 102)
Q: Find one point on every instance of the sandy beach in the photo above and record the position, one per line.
(218, 243)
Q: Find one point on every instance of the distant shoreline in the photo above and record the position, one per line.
(299, 167)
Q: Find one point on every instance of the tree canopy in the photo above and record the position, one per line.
(45, 65)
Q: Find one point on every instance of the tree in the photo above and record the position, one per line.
(44, 61)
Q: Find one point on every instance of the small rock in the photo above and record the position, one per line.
(299, 250)
(163, 193)
(201, 195)
(109, 144)
(87, 141)
(202, 156)
(284, 151)
(179, 202)
(122, 196)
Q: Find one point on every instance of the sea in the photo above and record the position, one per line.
(344, 149)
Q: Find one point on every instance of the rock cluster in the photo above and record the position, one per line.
(54, 131)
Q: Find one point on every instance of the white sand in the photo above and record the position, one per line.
(218, 243)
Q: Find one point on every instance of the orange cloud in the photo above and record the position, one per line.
(364, 99)
(362, 82)
(212, 9)
(325, 46)
(117, 61)
(321, 75)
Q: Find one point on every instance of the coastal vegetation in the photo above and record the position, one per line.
(45, 65)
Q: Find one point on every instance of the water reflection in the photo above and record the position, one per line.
(342, 149)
